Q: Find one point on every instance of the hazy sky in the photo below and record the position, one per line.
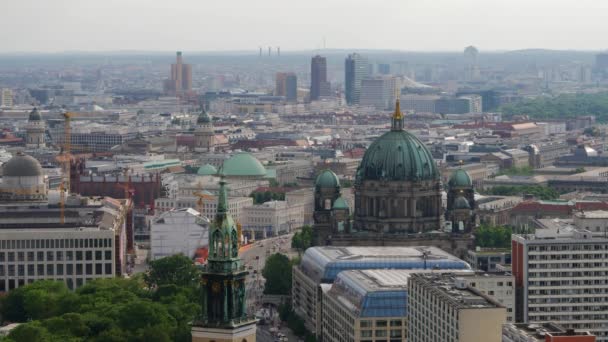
(212, 25)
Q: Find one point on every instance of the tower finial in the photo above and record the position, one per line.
(222, 203)
(397, 119)
(397, 115)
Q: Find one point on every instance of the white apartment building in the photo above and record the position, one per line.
(500, 286)
(305, 199)
(236, 205)
(442, 307)
(271, 219)
(561, 276)
(6, 98)
(180, 231)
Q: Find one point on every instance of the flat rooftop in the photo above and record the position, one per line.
(446, 285)
(387, 280)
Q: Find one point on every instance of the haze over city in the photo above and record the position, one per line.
(413, 25)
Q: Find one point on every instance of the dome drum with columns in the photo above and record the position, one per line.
(23, 180)
(204, 133)
(35, 130)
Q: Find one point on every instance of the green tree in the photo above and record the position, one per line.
(493, 237)
(561, 106)
(580, 170)
(173, 270)
(303, 239)
(277, 272)
(542, 192)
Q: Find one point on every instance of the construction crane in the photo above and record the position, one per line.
(65, 160)
(202, 196)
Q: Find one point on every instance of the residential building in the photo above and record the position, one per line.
(519, 158)
(321, 265)
(488, 259)
(356, 68)
(561, 276)
(500, 286)
(271, 219)
(6, 98)
(208, 206)
(443, 307)
(496, 210)
(542, 332)
(180, 231)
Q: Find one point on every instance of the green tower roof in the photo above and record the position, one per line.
(340, 203)
(460, 178)
(203, 117)
(35, 115)
(327, 179)
(207, 170)
(243, 164)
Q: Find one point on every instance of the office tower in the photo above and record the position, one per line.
(287, 85)
(356, 68)
(379, 92)
(180, 81)
(384, 68)
(601, 61)
(320, 267)
(561, 276)
(6, 98)
(470, 60)
(319, 87)
(223, 315)
(443, 307)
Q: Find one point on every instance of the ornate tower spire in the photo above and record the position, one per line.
(397, 119)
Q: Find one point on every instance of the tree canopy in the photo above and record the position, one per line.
(114, 309)
(277, 272)
(303, 239)
(561, 106)
(542, 192)
(493, 237)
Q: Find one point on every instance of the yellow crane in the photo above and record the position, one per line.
(65, 160)
(202, 196)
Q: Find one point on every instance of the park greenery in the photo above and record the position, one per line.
(541, 192)
(493, 237)
(260, 197)
(517, 171)
(295, 322)
(561, 106)
(155, 308)
(302, 239)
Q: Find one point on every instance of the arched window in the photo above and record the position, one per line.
(327, 204)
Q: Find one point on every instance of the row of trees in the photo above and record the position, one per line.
(542, 192)
(262, 197)
(154, 308)
(562, 106)
(518, 171)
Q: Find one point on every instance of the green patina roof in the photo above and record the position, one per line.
(340, 203)
(397, 156)
(162, 163)
(203, 117)
(35, 115)
(327, 179)
(207, 170)
(460, 178)
(461, 203)
(243, 164)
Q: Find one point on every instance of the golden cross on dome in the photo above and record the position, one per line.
(397, 115)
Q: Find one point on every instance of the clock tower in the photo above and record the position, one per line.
(223, 316)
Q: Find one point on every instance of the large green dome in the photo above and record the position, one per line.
(397, 156)
(243, 164)
(327, 179)
(460, 178)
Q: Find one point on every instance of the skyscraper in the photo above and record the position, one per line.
(471, 71)
(287, 85)
(319, 87)
(180, 81)
(356, 68)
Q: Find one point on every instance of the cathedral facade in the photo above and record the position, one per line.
(397, 199)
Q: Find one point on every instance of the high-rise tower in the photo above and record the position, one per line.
(319, 87)
(223, 315)
(356, 68)
(180, 81)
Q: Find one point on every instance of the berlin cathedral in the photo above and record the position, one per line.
(398, 199)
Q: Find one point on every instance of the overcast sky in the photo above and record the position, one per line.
(213, 25)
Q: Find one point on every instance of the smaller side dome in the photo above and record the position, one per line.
(340, 203)
(460, 178)
(203, 117)
(327, 179)
(461, 203)
(207, 170)
(35, 115)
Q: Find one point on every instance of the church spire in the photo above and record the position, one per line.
(222, 203)
(397, 119)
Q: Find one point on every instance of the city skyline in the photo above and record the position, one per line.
(410, 26)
